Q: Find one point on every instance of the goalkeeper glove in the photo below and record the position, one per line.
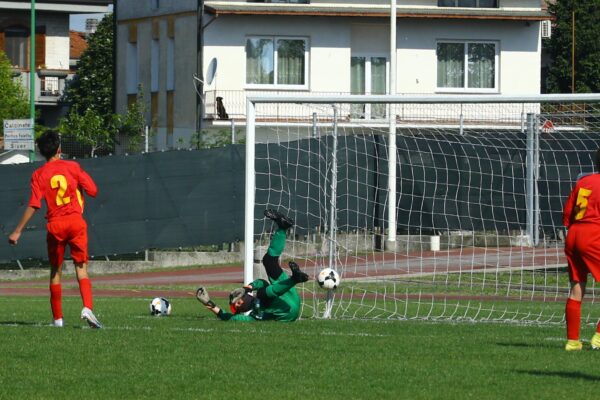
(204, 298)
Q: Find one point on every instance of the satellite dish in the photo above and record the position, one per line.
(211, 72)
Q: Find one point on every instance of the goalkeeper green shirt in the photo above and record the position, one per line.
(283, 302)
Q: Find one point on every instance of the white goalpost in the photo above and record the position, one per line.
(468, 188)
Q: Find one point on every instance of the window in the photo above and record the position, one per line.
(154, 63)
(280, 62)
(16, 46)
(170, 64)
(131, 72)
(469, 66)
(368, 75)
(468, 3)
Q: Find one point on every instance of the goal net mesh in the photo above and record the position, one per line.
(479, 195)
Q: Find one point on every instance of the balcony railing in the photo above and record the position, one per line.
(227, 105)
(49, 84)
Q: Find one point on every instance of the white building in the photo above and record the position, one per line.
(236, 47)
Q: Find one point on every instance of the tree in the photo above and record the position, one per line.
(14, 102)
(90, 129)
(92, 87)
(133, 123)
(587, 47)
(91, 121)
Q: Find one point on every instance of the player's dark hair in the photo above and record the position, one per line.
(48, 143)
(598, 160)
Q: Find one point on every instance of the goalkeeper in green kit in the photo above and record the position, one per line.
(276, 300)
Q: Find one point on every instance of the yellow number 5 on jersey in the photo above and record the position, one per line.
(60, 182)
(582, 202)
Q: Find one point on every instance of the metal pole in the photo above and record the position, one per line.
(146, 144)
(391, 238)
(250, 188)
(333, 204)
(536, 176)
(32, 77)
(314, 125)
(232, 131)
(332, 213)
(530, 168)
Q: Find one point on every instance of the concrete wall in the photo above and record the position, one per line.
(134, 9)
(185, 67)
(333, 40)
(520, 52)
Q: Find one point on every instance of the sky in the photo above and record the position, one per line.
(77, 21)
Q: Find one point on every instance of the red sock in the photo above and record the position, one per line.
(85, 288)
(573, 317)
(56, 300)
(598, 327)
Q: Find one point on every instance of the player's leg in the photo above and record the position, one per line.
(79, 252)
(573, 315)
(277, 244)
(56, 251)
(578, 278)
(591, 258)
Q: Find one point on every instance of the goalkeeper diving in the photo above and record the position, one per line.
(275, 300)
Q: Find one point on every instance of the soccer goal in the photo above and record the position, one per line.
(450, 209)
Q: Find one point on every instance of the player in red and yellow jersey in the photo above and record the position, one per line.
(581, 216)
(59, 183)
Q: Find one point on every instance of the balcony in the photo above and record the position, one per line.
(224, 106)
(49, 84)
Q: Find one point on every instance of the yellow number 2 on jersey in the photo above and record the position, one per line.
(582, 202)
(60, 182)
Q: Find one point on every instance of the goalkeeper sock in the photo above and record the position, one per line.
(85, 289)
(56, 300)
(573, 318)
(277, 243)
(598, 327)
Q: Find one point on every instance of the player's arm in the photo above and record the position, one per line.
(87, 183)
(13, 238)
(568, 208)
(35, 202)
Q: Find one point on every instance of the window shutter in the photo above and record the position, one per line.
(546, 29)
(40, 49)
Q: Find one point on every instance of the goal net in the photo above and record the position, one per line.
(452, 209)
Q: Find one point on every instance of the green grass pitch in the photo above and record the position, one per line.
(192, 355)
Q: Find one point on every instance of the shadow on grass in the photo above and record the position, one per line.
(536, 345)
(19, 323)
(562, 374)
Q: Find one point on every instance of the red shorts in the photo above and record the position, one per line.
(582, 248)
(69, 230)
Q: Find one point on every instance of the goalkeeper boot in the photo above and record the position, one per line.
(595, 341)
(281, 220)
(297, 275)
(573, 345)
(91, 319)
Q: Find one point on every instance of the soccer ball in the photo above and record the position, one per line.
(328, 279)
(160, 306)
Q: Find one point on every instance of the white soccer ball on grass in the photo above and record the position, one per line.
(328, 279)
(160, 306)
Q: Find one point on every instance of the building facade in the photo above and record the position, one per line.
(52, 47)
(198, 60)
